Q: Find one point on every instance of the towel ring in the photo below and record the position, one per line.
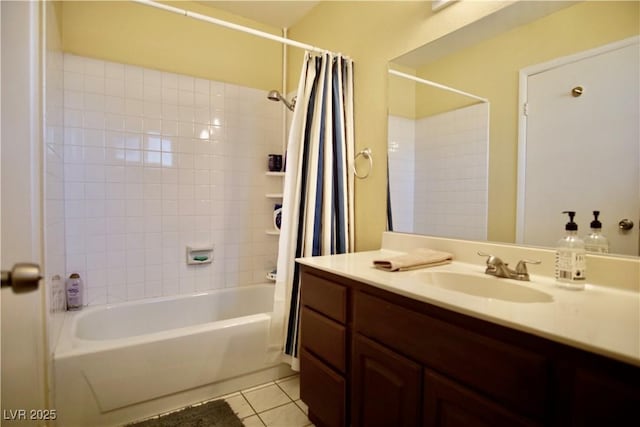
(366, 153)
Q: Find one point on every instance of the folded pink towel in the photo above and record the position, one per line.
(418, 258)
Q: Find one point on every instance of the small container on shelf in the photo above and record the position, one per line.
(275, 162)
(277, 216)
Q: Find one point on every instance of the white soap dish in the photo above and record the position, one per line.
(199, 255)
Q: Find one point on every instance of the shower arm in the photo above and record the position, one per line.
(290, 105)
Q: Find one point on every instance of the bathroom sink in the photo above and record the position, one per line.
(483, 286)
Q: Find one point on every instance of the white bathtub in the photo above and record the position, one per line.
(123, 362)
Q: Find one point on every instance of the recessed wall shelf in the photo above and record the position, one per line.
(273, 231)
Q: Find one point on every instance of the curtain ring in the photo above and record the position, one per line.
(366, 153)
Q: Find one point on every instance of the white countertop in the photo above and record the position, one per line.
(599, 319)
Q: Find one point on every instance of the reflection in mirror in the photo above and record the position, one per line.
(592, 98)
(438, 165)
(481, 60)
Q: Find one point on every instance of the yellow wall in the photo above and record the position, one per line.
(131, 33)
(432, 100)
(495, 64)
(402, 94)
(373, 33)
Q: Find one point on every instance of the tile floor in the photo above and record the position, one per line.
(274, 404)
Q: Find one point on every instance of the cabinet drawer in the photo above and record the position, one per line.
(323, 337)
(323, 391)
(325, 297)
(509, 374)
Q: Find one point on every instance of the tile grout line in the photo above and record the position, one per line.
(282, 389)
(285, 393)
(250, 405)
(280, 406)
(291, 400)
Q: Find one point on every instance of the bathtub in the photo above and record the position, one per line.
(122, 362)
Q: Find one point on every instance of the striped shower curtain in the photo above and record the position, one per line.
(317, 212)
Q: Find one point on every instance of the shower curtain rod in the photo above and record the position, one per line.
(438, 85)
(232, 26)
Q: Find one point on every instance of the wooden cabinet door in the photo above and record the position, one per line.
(386, 387)
(602, 399)
(448, 404)
(323, 391)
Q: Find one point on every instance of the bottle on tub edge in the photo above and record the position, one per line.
(570, 266)
(74, 292)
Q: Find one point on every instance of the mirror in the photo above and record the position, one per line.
(485, 59)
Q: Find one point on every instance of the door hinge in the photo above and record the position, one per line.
(525, 108)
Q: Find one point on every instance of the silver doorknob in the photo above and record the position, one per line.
(625, 224)
(23, 277)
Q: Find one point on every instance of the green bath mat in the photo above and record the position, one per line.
(212, 414)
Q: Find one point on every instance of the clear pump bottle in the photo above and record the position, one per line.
(595, 241)
(570, 264)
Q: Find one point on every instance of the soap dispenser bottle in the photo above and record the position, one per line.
(570, 263)
(595, 241)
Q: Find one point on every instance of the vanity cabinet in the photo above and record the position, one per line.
(386, 385)
(374, 358)
(449, 404)
(324, 350)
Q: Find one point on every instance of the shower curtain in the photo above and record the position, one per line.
(317, 212)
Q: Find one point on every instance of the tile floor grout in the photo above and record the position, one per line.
(259, 413)
(290, 397)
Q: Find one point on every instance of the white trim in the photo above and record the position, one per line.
(24, 341)
(522, 159)
(558, 62)
(284, 92)
(438, 85)
(487, 171)
(524, 75)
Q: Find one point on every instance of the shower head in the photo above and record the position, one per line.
(274, 95)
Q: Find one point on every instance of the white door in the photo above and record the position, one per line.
(22, 315)
(583, 148)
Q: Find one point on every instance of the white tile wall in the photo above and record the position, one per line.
(54, 262)
(438, 172)
(451, 176)
(155, 162)
(401, 148)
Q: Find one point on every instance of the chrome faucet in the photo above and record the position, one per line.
(497, 267)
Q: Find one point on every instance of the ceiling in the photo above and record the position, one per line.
(280, 14)
(505, 19)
